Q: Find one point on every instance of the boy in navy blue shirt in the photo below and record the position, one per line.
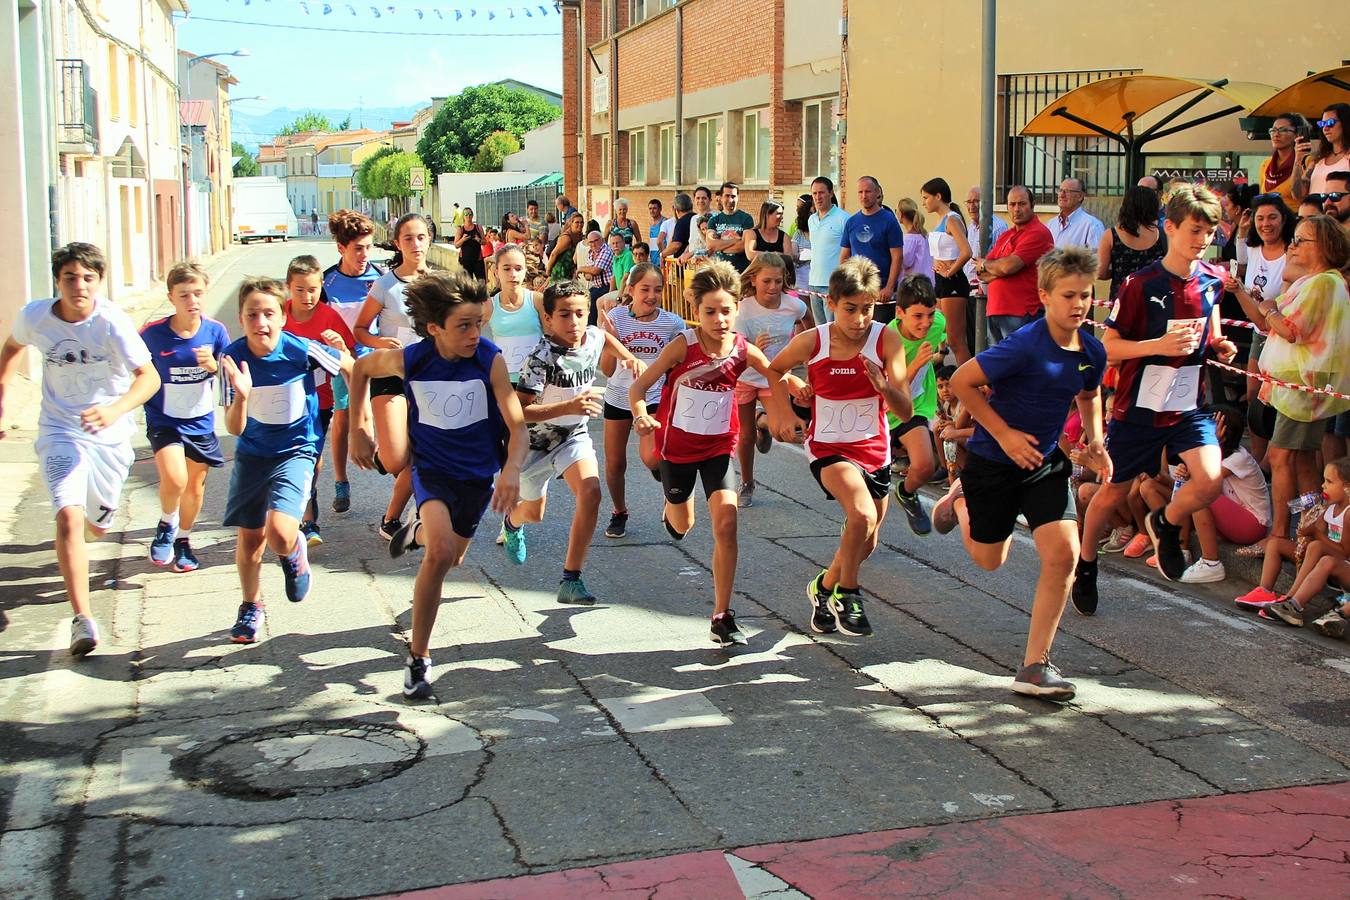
(1165, 319)
(460, 404)
(273, 406)
(1014, 463)
(180, 420)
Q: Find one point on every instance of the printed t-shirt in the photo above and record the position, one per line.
(553, 373)
(186, 399)
(724, 226)
(874, 237)
(283, 406)
(645, 340)
(780, 324)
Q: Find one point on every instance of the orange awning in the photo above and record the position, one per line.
(1309, 96)
(1116, 104)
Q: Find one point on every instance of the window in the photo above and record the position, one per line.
(138, 205)
(667, 150)
(602, 177)
(133, 111)
(637, 157)
(114, 83)
(820, 140)
(755, 145)
(640, 10)
(708, 149)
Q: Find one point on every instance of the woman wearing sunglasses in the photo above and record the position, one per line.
(1277, 172)
(1332, 153)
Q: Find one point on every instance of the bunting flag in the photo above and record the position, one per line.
(379, 12)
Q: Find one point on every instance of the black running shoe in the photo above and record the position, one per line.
(849, 617)
(417, 678)
(1167, 544)
(618, 525)
(405, 538)
(919, 523)
(724, 630)
(1043, 680)
(1085, 588)
(389, 528)
(670, 529)
(822, 620)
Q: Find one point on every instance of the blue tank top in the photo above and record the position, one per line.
(515, 332)
(454, 425)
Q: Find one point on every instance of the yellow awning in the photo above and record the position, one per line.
(1311, 95)
(1113, 103)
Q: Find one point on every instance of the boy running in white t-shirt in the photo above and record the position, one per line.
(96, 369)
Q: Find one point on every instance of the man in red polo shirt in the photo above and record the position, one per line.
(1010, 268)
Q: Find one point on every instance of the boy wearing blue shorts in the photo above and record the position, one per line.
(460, 406)
(273, 407)
(180, 420)
(1164, 322)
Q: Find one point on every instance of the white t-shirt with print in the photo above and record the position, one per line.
(84, 364)
(779, 324)
(1247, 485)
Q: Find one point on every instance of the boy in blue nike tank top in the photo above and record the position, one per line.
(461, 405)
(273, 407)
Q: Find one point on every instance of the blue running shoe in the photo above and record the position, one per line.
(248, 624)
(342, 496)
(296, 570)
(184, 560)
(515, 545)
(161, 548)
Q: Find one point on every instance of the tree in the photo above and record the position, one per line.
(345, 124)
(494, 150)
(310, 121)
(452, 139)
(365, 182)
(247, 166)
(387, 174)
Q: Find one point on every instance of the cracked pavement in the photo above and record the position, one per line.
(567, 737)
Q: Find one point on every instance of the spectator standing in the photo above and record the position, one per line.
(1010, 268)
(562, 259)
(621, 260)
(1332, 152)
(513, 230)
(997, 227)
(1336, 199)
(458, 217)
(313, 221)
(621, 223)
(768, 235)
(565, 209)
(537, 228)
(799, 230)
(469, 240)
(916, 257)
(1277, 172)
(656, 228)
(600, 269)
(678, 241)
(826, 224)
(1075, 226)
(874, 232)
(728, 227)
(951, 251)
(1134, 241)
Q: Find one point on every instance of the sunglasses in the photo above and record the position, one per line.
(1326, 123)
(1333, 196)
(1262, 198)
(1275, 131)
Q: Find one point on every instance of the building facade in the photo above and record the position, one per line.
(208, 82)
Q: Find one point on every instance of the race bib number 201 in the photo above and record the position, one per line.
(703, 412)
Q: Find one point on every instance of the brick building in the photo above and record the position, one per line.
(703, 92)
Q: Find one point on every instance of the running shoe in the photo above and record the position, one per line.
(405, 538)
(849, 616)
(1085, 588)
(184, 560)
(618, 525)
(1287, 611)
(670, 529)
(746, 495)
(342, 496)
(161, 548)
(389, 528)
(1118, 540)
(1137, 546)
(1204, 571)
(1332, 624)
(724, 630)
(944, 511)
(417, 678)
(763, 439)
(919, 523)
(248, 624)
(501, 535)
(822, 620)
(1258, 598)
(1166, 539)
(83, 635)
(313, 537)
(514, 544)
(574, 592)
(1043, 680)
(297, 574)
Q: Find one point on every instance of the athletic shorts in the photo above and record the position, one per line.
(325, 420)
(906, 427)
(340, 396)
(466, 498)
(952, 286)
(1135, 448)
(878, 482)
(389, 386)
(260, 484)
(619, 414)
(749, 393)
(85, 474)
(997, 492)
(541, 465)
(677, 479)
(202, 448)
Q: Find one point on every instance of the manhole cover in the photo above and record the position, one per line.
(301, 759)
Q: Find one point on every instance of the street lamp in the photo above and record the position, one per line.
(237, 99)
(192, 61)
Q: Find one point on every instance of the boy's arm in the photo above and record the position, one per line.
(670, 357)
(1018, 445)
(1095, 456)
(1174, 343)
(241, 385)
(10, 355)
(896, 388)
(784, 384)
(379, 364)
(144, 384)
(1223, 348)
(507, 489)
(623, 354)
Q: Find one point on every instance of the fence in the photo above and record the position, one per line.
(674, 294)
(490, 206)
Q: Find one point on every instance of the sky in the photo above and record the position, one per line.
(304, 67)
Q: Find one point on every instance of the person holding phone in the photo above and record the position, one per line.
(1316, 159)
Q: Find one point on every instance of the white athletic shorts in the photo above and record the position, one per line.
(541, 465)
(84, 473)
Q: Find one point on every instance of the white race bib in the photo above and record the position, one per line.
(554, 394)
(277, 404)
(1165, 389)
(703, 412)
(75, 384)
(515, 348)
(450, 405)
(845, 421)
(407, 337)
(804, 254)
(188, 401)
(916, 387)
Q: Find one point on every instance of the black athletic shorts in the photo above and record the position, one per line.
(952, 286)
(906, 427)
(202, 448)
(878, 482)
(619, 414)
(389, 386)
(325, 420)
(677, 479)
(997, 492)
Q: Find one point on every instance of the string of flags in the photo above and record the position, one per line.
(311, 7)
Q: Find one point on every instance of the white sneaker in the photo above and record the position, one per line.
(83, 635)
(1203, 571)
(501, 535)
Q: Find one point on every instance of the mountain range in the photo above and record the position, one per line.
(259, 128)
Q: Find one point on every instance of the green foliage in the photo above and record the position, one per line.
(453, 138)
(310, 121)
(345, 124)
(388, 174)
(494, 149)
(247, 166)
(365, 172)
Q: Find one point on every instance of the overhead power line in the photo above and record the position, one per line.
(376, 33)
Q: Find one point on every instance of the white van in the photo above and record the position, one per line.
(261, 210)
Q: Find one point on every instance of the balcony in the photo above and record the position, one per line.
(77, 115)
